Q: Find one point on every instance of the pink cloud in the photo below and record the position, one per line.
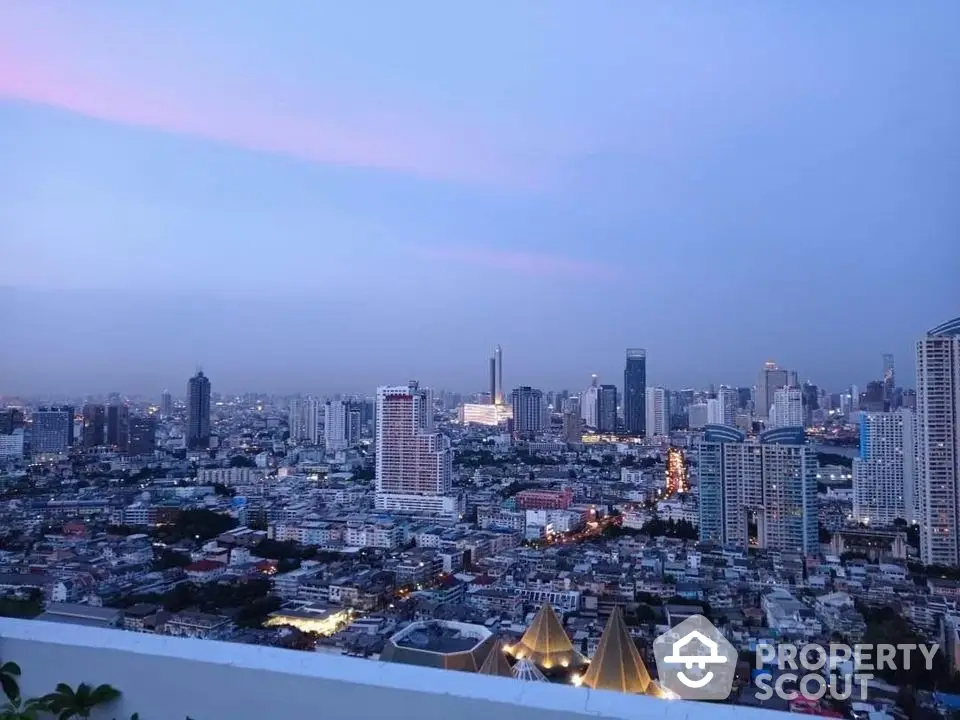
(50, 61)
(518, 261)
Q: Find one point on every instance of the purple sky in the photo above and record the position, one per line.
(326, 196)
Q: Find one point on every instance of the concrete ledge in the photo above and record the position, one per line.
(165, 678)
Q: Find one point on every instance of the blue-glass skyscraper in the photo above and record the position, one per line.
(635, 392)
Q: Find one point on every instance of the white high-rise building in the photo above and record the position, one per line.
(884, 473)
(715, 412)
(697, 415)
(787, 409)
(414, 464)
(938, 443)
(335, 425)
(728, 404)
(771, 377)
(590, 405)
(658, 412)
(770, 482)
(304, 420)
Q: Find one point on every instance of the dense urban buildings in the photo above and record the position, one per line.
(198, 411)
(304, 420)
(51, 429)
(529, 410)
(938, 443)
(635, 392)
(771, 378)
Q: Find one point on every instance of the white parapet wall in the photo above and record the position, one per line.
(165, 678)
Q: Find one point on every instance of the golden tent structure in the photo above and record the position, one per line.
(545, 643)
(617, 664)
(496, 662)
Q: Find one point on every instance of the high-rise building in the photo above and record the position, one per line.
(11, 419)
(770, 379)
(50, 430)
(938, 443)
(94, 425)
(143, 436)
(657, 408)
(697, 414)
(414, 463)
(497, 369)
(336, 425)
(607, 409)
(303, 420)
(771, 482)
(889, 380)
(493, 380)
(529, 410)
(729, 402)
(590, 404)
(198, 412)
(572, 427)
(715, 412)
(118, 427)
(635, 392)
(884, 472)
(166, 404)
(787, 408)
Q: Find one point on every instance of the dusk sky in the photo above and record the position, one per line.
(327, 196)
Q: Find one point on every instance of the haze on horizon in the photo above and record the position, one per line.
(324, 197)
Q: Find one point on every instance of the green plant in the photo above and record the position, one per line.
(66, 703)
(9, 674)
(20, 709)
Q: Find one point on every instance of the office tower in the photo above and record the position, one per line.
(873, 399)
(50, 430)
(497, 372)
(94, 425)
(590, 404)
(303, 420)
(143, 436)
(771, 481)
(889, 380)
(938, 443)
(354, 426)
(744, 398)
(854, 398)
(771, 379)
(697, 415)
(607, 409)
(715, 412)
(198, 412)
(635, 392)
(884, 472)
(571, 405)
(529, 410)
(729, 402)
(909, 399)
(414, 463)
(657, 408)
(787, 408)
(12, 444)
(336, 421)
(493, 380)
(811, 401)
(11, 419)
(166, 404)
(572, 428)
(118, 427)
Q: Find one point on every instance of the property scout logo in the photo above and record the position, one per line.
(695, 662)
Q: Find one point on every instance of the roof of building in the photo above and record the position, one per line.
(617, 664)
(546, 643)
(496, 662)
(440, 643)
(526, 670)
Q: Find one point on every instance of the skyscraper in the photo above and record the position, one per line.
(572, 427)
(770, 379)
(166, 404)
(493, 379)
(590, 404)
(635, 392)
(414, 463)
(715, 412)
(884, 472)
(772, 482)
(198, 412)
(658, 412)
(94, 425)
(143, 436)
(938, 443)
(607, 409)
(50, 430)
(729, 401)
(118, 426)
(498, 395)
(529, 410)
(889, 380)
(335, 425)
(303, 419)
(787, 408)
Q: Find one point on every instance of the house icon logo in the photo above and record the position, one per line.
(695, 661)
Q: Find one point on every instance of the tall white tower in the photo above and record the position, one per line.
(658, 412)
(884, 473)
(938, 443)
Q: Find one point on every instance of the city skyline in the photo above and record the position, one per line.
(266, 199)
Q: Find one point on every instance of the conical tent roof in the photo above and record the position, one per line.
(526, 670)
(546, 643)
(617, 664)
(496, 662)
